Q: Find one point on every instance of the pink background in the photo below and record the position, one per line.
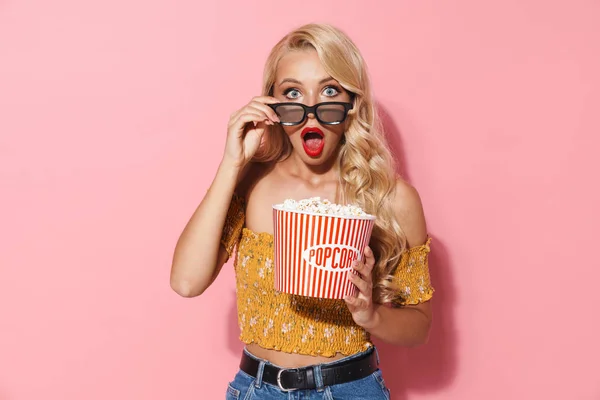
(112, 123)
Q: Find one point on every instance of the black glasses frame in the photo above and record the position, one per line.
(313, 110)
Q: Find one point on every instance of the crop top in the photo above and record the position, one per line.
(298, 324)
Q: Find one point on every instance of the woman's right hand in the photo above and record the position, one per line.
(246, 129)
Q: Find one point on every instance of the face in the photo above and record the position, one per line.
(301, 78)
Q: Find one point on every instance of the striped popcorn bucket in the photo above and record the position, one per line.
(314, 252)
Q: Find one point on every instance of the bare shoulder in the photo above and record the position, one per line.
(260, 194)
(409, 213)
(250, 176)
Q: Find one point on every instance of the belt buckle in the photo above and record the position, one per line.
(279, 379)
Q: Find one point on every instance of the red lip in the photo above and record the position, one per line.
(312, 152)
(311, 129)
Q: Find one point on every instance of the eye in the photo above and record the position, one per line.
(331, 91)
(292, 93)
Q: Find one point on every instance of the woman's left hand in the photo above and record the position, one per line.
(361, 305)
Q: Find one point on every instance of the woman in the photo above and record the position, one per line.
(276, 151)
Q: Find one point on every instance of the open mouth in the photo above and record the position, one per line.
(313, 141)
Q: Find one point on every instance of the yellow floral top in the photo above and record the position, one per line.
(298, 324)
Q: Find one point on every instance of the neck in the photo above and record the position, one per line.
(314, 174)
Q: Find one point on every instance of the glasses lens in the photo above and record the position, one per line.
(290, 113)
(331, 113)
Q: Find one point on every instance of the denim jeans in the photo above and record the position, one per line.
(246, 387)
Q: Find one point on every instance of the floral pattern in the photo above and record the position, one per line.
(412, 274)
(298, 324)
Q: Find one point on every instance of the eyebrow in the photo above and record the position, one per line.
(292, 80)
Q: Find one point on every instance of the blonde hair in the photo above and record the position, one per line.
(366, 166)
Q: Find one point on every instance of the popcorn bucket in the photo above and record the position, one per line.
(314, 252)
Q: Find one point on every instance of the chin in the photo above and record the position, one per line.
(315, 160)
(325, 156)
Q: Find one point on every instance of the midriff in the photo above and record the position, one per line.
(289, 360)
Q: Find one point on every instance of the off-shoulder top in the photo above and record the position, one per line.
(298, 324)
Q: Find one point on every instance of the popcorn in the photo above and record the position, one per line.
(318, 206)
(315, 243)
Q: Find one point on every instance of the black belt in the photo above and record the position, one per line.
(289, 379)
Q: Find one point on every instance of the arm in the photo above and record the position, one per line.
(410, 324)
(199, 255)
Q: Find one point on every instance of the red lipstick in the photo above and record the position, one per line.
(313, 141)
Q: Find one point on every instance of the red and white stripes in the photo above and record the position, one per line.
(314, 253)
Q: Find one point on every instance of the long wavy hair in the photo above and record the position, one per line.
(366, 166)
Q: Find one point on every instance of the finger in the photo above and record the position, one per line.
(265, 117)
(362, 269)
(250, 116)
(259, 99)
(350, 302)
(268, 111)
(243, 119)
(235, 115)
(369, 259)
(363, 286)
(355, 303)
(358, 265)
